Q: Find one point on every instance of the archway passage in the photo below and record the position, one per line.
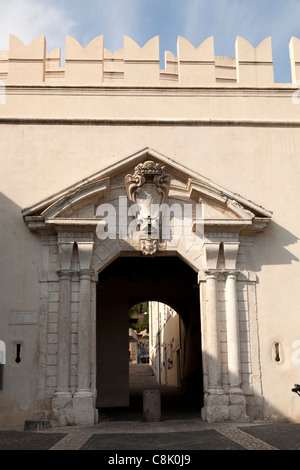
(126, 282)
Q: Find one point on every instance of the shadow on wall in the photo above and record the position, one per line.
(271, 247)
(10, 215)
(19, 293)
(15, 235)
(20, 252)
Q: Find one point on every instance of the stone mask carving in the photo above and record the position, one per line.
(148, 187)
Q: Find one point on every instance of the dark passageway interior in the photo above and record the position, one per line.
(126, 282)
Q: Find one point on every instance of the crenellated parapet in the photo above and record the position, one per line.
(254, 66)
(26, 65)
(196, 65)
(133, 65)
(295, 59)
(84, 65)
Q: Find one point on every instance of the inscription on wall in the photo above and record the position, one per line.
(23, 318)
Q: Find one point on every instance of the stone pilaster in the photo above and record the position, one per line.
(213, 344)
(62, 399)
(84, 334)
(216, 402)
(233, 337)
(237, 401)
(215, 399)
(212, 328)
(84, 399)
(64, 322)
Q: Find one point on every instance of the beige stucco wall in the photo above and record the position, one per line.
(245, 138)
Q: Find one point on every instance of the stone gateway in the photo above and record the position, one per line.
(122, 183)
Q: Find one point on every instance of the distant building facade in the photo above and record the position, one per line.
(138, 347)
(166, 344)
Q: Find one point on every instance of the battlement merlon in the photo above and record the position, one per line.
(133, 65)
(295, 59)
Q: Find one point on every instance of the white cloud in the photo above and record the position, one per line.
(28, 19)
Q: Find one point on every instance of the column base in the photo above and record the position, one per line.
(235, 391)
(61, 411)
(84, 411)
(74, 411)
(237, 407)
(216, 408)
(220, 407)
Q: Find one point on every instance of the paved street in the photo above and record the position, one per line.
(181, 429)
(173, 435)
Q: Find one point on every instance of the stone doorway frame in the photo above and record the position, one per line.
(73, 256)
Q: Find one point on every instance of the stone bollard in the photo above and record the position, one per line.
(151, 406)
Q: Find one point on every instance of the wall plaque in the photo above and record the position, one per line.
(23, 318)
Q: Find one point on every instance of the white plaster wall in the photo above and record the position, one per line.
(260, 162)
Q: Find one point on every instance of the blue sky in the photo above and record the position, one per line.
(195, 20)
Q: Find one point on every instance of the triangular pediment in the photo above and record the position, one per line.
(78, 203)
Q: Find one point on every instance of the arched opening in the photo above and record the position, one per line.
(163, 280)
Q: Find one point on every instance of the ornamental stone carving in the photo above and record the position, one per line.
(148, 188)
(149, 247)
(145, 173)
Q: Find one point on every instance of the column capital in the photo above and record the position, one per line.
(65, 274)
(233, 273)
(85, 274)
(212, 273)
